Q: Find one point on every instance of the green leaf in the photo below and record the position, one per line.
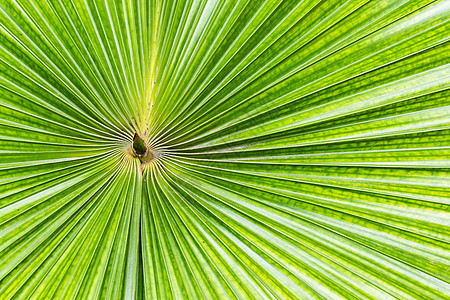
(224, 149)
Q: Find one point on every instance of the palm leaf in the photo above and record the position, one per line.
(296, 149)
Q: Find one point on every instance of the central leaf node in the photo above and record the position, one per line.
(139, 147)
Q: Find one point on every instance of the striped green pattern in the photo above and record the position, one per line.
(298, 149)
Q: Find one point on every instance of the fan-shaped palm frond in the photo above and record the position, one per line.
(224, 149)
